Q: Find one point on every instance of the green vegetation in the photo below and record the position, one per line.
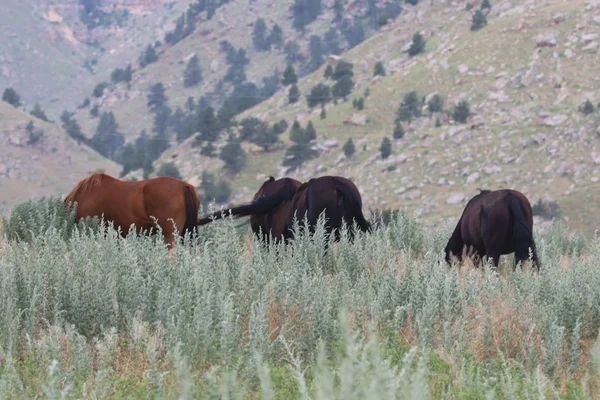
(11, 96)
(349, 148)
(417, 46)
(479, 20)
(89, 312)
(169, 169)
(38, 112)
(461, 112)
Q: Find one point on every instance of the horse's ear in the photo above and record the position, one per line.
(270, 179)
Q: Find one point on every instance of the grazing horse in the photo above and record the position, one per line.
(495, 223)
(336, 196)
(268, 210)
(126, 203)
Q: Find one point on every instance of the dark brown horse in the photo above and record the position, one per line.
(495, 223)
(125, 203)
(337, 197)
(268, 210)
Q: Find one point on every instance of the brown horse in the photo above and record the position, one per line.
(268, 210)
(335, 196)
(125, 203)
(495, 223)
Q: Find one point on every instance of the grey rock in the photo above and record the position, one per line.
(455, 198)
(545, 40)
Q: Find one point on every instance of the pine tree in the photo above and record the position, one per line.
(385, 148)
(338, 9)
(323, 114)
(293, 94)
(332, 41)
(310, 132)
(485, 4)
(38, 112)
(169, 169)
(398, 130)
(461, 112)
(410, 107)
(418, 44)
(289, 76)
(11, 96)
(259, 32)
(275, 38)
(291, 50)
(328, 72)
(379, 69)
(319, 94)
(588, 107)
(107, 139)
(233, 155)
(148, 56)
(342, 87)
(349, 149)
(317, 53)
(193, 73)
(479, 20)
(435, 104)
(156, 97)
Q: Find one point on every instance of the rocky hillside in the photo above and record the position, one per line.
(525, 75)
(51, 57)
(40, 159)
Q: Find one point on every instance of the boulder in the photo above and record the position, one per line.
(545, 40)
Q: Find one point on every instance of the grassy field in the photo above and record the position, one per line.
(87, 314)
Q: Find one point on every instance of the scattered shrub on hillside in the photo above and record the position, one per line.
(289, 76)
(122, 75)
(435, 104)
(410, 107)
(386, 148)
(95, 111)
(38, 112)
(259, 35)
(417, 46)
(215, 190)
(398, 130)
(349, 148)
(192, 75)
(328, 72)
(169, 169)
(479, 20)
(319, 94)
(485, 4)
(587, 107)
(148, 56)
(99, 89)
(547, 209)
(461, 112)
(11, 96)
(293, 94)
(379, 69)
(233, 155)
(304, 12)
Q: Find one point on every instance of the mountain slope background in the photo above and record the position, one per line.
(525, 75)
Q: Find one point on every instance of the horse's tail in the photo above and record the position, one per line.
(191, 210)
(354, 204)
(259, 206)
(522, 232)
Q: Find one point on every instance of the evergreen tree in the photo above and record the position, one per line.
(169, 169)
(148, 56)
(289, 76)
(328, 72)
(317, 53)
(280, 127)
(265, 137)
(323, 114)
(213, 190)
(417, 46)
(190, 104)
(310, 132)
(259, 33)
(275, 38)
(360, 104)
(208, 150)
(485, 4)
(161, 121)
(297, 133)
(342, 87)
(72, 128)
(386, 148)
(332, 41)
(319, 94)
(588, 107)
(250, 127)
(208, 125)
(435, 104)
(304, 12)
(233, 155)
(192, 75)
(354, 33)
(461, 112)
(410, 107)
(349, 149)
(301, 151)
(338, 9)
(291, 50)
(11, 96)
(99, 89)
(398, 130)
(38, 112)
(379, 69)
(156, 97)
(95, 111)
(479, 20)
(293, 94)
(107, 139)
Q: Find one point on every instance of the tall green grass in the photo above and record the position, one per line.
(90, 314)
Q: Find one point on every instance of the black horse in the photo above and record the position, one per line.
(277, 202)
(495, 223)
(268, 210)
(336, 196)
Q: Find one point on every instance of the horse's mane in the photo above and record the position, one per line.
(84, 185)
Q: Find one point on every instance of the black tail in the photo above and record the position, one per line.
(260, 206)
(522, 232)
(191, 211)
(354, 206)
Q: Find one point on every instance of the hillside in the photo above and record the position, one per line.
(46, 48)
(524, 75)
(42, 161)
